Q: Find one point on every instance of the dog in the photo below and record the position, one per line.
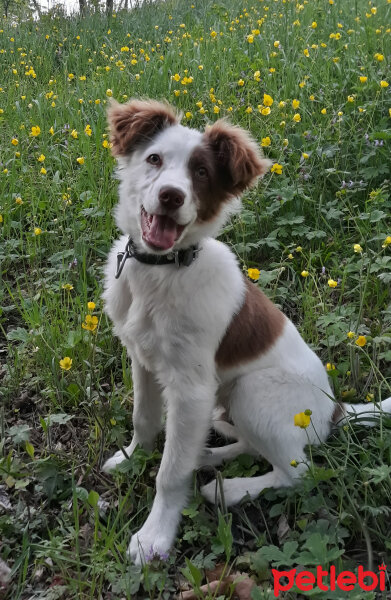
(200, 335)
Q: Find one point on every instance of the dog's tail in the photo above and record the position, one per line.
(366, 413)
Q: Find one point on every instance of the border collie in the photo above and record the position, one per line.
(199, 334)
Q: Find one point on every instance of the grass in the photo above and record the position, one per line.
(324, 212)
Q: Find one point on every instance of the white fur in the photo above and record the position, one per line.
(171, 321)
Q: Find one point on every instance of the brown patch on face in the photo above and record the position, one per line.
(338, 414)
(234, 163)
(136, 122)
(252, 331)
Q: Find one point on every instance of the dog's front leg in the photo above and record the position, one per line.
(190, 401)
(147, 414)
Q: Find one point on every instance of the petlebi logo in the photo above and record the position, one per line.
(345, 581)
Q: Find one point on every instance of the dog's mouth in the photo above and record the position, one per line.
(160, 232)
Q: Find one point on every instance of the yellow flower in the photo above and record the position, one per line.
(1, 218)
(290, 256)
(332, 283)
(323, 111)
(65, 363)
(357, 248)
(297, 117)
(276, 43)
(265, 142)
(312, 97)
(88, 130)
(350, 98)
(41, 158)
(43, 171)
(293, 463)
(67, 286)
(363, 79)
(306, 52)
(384, 84)
(267, 100)
(314, 24)
(330, 367)
(51, 130)
(74, 134)
(35, 130)
(265, 110)
(90, 323)
(240, 83)
(18, 200)
(295, 104)
(304, 273)
(361, 341)
(80, 160)
(298, 249)
(257, 75)
(379, 57)
(253, 274)
(302, 420)
(109, 93)
(213, 34)
(276, 168)
(216, 110)
(37, 231)
(387, 242)
(351, 335)
(250, 39)
(91, 305)
(14, 142)
(305, 155)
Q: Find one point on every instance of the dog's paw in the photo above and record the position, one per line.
(233, 494)
(209, 458)
(111, 463)
(147, 544)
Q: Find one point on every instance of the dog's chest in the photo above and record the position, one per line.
(158, 328)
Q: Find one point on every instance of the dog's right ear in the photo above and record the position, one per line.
(136, 122)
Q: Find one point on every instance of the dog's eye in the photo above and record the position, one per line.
(202, 172)
(155, 160)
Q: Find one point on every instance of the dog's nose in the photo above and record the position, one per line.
(171, 197)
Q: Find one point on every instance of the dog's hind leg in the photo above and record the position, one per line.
(147, 415)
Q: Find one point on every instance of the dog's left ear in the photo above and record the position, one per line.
(137, 122)
(237, 153)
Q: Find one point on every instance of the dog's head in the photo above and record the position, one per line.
(177, 184)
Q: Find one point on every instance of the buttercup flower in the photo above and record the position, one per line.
(37, 231)
(297, 118)
(91, 305)
(357, 248)
(330, 367)
(302, 420)
(331, 283)
(350, 334)
(80, 160)
(90, 323)
(276, 168)
(35, 130)
(304, 273)
(265, 142)
(253, 274)
(387, 242)
(361, 341)
(267, 100)
(65, 363)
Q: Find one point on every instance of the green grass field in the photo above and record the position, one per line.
(311, 82)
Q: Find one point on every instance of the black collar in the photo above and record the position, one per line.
(177, 257)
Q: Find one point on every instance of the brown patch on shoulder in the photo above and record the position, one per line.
(233, 160)
(136, 122)
(338, 414)
(252, 331)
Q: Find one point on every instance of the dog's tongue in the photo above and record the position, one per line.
(162, 232)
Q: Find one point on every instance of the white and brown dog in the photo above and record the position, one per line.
(199, 334)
